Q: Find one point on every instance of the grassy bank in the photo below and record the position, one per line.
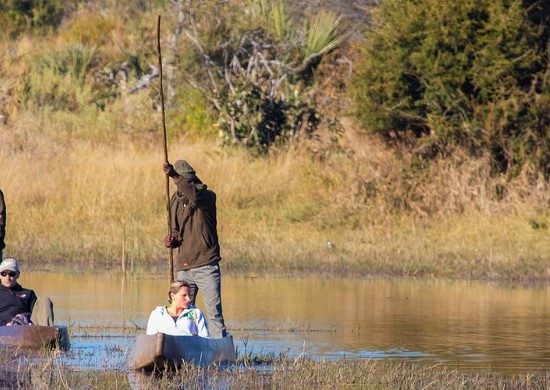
(84, 204)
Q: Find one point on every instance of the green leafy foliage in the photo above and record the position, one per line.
(260, 79)
(58, 80)
(467, 73)
(257, 121)
(321, 34)
(20, 15)
(279, 17)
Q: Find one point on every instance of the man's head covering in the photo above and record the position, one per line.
(185, 170)
(9, 265)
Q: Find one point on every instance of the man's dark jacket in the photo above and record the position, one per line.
(194, 222)
(15, 300)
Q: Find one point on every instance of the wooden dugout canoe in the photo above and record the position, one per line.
(34, 337)
(160, 351)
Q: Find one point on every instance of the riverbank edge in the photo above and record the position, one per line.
(159, 270)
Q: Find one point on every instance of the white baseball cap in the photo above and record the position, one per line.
(9, 264)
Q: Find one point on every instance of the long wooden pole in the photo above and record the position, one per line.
(171, 261)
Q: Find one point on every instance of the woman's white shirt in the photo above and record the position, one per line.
(190, 323)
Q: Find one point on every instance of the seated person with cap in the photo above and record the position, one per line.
(18, 305)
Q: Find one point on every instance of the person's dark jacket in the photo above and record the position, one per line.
(194, 223)
(15, 300)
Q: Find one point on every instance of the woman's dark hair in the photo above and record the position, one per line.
(175, 287)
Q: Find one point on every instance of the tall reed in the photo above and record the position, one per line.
(49, 371)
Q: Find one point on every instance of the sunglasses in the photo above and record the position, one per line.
(4, 273)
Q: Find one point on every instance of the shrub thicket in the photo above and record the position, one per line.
(472, 74)
(257, 73)
(17, 16)
(247, 66)
(91, 59)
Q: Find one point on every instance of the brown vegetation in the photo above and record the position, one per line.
(84, 185)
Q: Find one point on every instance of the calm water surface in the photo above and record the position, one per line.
(472, 326)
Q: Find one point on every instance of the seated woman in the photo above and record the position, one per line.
(17, 303)
(179, 317)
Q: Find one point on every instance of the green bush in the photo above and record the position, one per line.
(58, 81)
(472, 74)
(20, 15)
(258, 75)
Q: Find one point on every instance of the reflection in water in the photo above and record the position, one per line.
(469, 325)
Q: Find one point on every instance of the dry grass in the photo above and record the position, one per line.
(76, 201)
(50, 372)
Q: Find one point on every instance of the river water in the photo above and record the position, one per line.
(466, 325)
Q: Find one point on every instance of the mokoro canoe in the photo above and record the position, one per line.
(34, 337)
(160, 351)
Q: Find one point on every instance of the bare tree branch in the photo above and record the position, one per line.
(145, 80)
(178, 8)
